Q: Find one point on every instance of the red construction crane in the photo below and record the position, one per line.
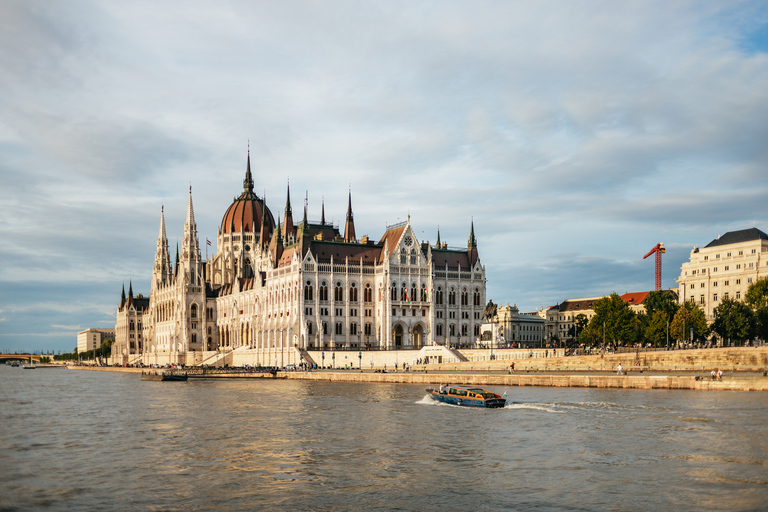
(659, 250)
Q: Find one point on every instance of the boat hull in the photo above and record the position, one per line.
(490, 403)
(164, 376)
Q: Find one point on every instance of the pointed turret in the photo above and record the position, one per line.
(289, 231)
(264, 231)
(162, 268)
(304, 221)
(472, 245)
(437, 245)
(277, 245)
(130, 293)
(122, 297)
(322, 212)
(278, 235)
(190, 249)
(349, 227)
(176, 267)
(248, 181)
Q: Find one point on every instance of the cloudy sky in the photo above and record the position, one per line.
(576, 134)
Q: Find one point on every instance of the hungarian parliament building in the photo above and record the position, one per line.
(276, 291)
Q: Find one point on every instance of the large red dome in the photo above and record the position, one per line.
(247, 211)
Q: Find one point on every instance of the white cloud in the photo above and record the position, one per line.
(577, 135)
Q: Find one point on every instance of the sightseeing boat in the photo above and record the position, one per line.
(467, 397)
(164, 375)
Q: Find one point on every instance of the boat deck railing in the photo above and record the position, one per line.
(219, 370)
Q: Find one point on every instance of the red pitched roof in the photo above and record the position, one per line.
(635, 298)
(391, 236)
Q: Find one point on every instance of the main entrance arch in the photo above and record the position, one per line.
(418, 336)
(397, 336)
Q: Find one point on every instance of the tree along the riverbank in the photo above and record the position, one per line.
(734, 321)
(613, 322)
(688, 317)
(757, 299)
(653, 324)
(102, 351)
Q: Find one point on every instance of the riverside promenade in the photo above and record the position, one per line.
(744, 369)
(635, 380)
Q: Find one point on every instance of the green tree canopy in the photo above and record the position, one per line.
(661, 300)
(757, 299)
(613, 314)
(734, 320)
(656, 328)
(757, 294)
(688, 316)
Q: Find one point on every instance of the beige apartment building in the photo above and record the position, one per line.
(91, 339)
(724, 268)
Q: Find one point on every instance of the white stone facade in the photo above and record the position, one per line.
(274, 292)
(723, 268)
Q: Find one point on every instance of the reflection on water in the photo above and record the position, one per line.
(109, 441)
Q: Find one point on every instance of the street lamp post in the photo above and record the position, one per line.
(323, 354)
(360, 357)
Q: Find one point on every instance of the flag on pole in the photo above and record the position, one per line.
(208, 242)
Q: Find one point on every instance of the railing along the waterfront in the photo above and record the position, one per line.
(229, 370)
(626, 370)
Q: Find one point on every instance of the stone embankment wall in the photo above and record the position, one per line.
(730, 359)
(634, 381)
(583, 381)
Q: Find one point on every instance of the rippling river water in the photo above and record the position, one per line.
(76, 440)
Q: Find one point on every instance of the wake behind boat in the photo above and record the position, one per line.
(467, 397)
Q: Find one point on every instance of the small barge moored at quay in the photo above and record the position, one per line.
(164, 375)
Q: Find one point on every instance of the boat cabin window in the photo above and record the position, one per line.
(459, 392)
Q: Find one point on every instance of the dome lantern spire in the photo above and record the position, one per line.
(248, 181)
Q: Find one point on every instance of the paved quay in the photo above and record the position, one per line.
(751, 381)
(742, 382)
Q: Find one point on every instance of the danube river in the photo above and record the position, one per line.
(75, 440)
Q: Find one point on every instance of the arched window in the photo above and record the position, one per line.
(403, 256)
(423, 293)
(325, 327)
(451, 297)
(464, 297)
(404, 292)
(309, 328)
(368, 329)
(338, 293)
(413, 295)
(393, 292)
(193, 311)
(439, 296)
(477, 297)
(464, 329)
(439, 329)
(414, 258)
(353, 292)
(452, 330)
(323, 291)
(367, 295)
